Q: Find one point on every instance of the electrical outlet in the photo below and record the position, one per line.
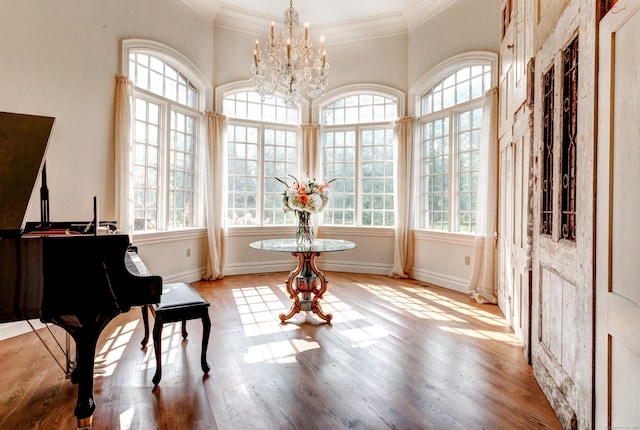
(188, 252)
(467, 260)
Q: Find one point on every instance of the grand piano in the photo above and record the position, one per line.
(53, 272)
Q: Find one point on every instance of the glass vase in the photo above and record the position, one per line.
(304, 229)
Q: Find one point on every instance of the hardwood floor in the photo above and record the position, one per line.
(398, 355)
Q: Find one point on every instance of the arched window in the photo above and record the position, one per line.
(357, 140)
(450, 122)
(168, 98)
(263, 140)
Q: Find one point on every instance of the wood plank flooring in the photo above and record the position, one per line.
(399, 354)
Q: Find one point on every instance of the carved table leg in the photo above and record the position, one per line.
(305, 277)
(293, 293)
(315, 306)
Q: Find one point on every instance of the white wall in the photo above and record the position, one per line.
(466, 25)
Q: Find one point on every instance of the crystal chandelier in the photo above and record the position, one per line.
(290, 62)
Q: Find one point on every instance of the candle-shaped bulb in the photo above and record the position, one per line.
(306, 31)
(273, 31)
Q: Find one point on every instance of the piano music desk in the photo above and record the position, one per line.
(179, 302)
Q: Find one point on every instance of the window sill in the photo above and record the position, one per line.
(444, 236)
(321, 231)
(145, 238)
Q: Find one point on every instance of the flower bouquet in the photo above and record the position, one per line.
(304, 197)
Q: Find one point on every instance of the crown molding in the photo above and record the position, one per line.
(365, 28)
(344, 31)
(239, 19)
(421, 11)
(208, 9)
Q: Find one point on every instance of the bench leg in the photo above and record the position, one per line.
(206, 330)
(145, 320)
(157, 335)
(184, 329)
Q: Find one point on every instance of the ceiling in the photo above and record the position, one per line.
(337, 20)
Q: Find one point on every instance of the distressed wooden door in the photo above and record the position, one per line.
(514, 255)
(618, 220)
(562, 333)
(515, 173)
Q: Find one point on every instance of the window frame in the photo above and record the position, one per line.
(417, 92)
(303, 109)
(204, 90)
(341, 93)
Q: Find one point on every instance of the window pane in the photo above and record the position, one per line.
(248, 105)
(279, 162)
(242, 159)
(341, 167)
(145, 172)
(468, 165)
(435, 173)
(182, 129)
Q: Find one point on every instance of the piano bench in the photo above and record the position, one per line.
(178, 302)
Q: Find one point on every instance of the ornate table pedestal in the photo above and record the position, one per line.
(302, 283)
(302, 286)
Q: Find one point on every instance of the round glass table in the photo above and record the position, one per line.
(302, 283)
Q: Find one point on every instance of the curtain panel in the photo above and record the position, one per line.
(214, 195)
(403, 243)
(310, 150)
(123, 160)
(482, 285)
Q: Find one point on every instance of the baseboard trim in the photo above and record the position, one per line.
(441, 280)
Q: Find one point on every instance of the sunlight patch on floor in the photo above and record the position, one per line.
(259, 309)
(413, 305)
(281, 352)
(365, 336)
(483, 334)
(113, 348)
(457, 306)
(340, 310)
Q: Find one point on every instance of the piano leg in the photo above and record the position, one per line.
(85, 332)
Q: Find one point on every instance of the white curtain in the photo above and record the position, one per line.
(310, 156)
(124, 162)
(482, 285)
(403, 244)
(214, 195)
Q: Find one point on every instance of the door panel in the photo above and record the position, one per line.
(515, 258)
(618, 215)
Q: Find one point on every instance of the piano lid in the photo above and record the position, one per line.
(23, 145)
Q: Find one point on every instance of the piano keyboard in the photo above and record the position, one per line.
(134, 264)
